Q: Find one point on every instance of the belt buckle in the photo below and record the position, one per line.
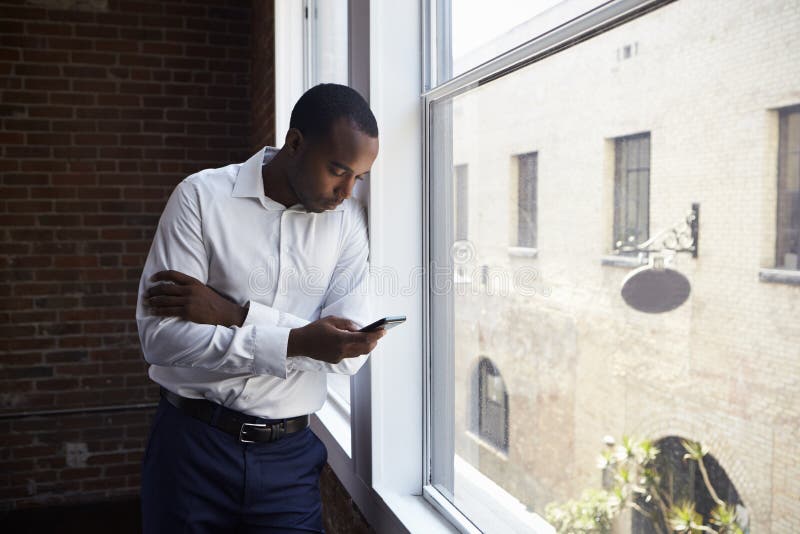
(254, 425)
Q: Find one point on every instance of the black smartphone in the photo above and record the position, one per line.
(385, 323)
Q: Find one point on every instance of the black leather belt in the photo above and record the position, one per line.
(247, 428)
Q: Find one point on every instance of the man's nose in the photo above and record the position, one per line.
(347, 189)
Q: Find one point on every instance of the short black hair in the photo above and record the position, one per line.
(322, 105)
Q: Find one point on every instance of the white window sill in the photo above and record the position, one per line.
(523, 252)
(455, 519)
(488, 503)
(417, 514)
(386, 511)
(339, 402)
(628, 262)
(780, 276)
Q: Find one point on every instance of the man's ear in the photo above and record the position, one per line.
(294, 141)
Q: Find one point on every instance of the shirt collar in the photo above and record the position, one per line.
(249, 182)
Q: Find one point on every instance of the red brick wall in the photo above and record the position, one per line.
(263, 68)
(104, 107)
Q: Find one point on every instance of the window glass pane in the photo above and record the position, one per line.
(328, 42)
(470, 33)
(580, 390)
(327, 62)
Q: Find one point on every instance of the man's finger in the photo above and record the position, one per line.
(350, 326)
(166, 289)
(167, 312)
(364, 338)
(359, 348)
(165, 301)
(374, 335)
(173, 276)
(342, 324)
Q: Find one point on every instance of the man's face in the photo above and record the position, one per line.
(327, 169)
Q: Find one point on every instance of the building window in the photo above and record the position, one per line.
(631, 189)
(527, 168)
(788, 227)
(462, 202)
(680, 481)
(492, 404)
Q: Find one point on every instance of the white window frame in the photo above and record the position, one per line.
(495, 502)
(377, 452)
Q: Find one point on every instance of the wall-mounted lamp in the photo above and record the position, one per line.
(655, 287)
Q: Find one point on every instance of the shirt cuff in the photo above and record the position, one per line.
(269, 341)
(270, 344)
(260, 315)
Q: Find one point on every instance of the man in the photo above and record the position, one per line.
(254, 289)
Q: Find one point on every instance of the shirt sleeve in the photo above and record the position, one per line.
(259, 313)
(257, 347)
(348, 295)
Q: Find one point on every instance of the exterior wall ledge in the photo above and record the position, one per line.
(629, 262)
(779, 276)
(523, 252)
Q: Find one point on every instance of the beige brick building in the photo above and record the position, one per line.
(707, 80)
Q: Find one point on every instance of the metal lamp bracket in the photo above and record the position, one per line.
(683, 236)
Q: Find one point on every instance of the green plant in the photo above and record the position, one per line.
(633, 478)
(594, 512)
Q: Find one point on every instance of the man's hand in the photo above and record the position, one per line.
(332, 339)
(190, 299)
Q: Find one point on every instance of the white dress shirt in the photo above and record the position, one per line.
(292, 266)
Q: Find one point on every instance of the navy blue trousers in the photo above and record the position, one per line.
(199, 479)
